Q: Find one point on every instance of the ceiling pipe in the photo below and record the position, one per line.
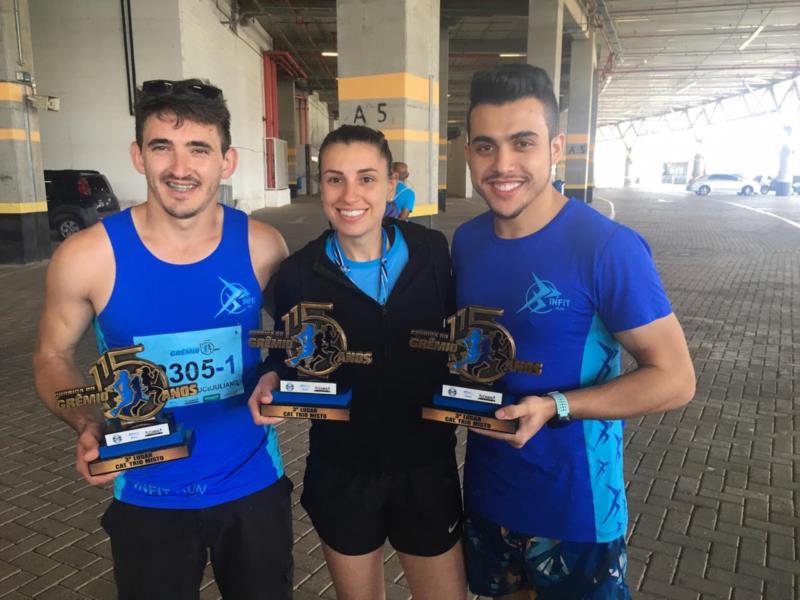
(304, 26)
(705, 68)
(286, 61)
(264, 13)
(603, 22)
(705, 8)
(710, 32)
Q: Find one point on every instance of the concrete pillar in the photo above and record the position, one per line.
(628, 162)
(581, 74)
(287, 126)
(444, 73)
(545, 27)
(389, 80)
(561, 167)
(459, 184)
(785, 176)
(698, 165)
(592, 134)
(24, 229)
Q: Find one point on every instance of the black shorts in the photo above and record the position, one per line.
(354, 511)
(160, 554)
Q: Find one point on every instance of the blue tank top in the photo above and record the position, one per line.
(193, 320)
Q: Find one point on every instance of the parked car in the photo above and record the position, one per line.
(719, 183)
(77, 199)
(766, 182)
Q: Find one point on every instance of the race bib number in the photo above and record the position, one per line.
(211, 358)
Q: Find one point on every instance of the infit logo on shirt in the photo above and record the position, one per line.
(543, 297)
(234, 298)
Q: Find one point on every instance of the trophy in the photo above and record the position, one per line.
(132, 392)
(316, 346)
(480, 352)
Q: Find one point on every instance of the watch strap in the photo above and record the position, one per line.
(562, 406)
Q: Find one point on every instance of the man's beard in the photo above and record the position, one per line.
(535, 193)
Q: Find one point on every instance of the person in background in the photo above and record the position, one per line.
(402, 204)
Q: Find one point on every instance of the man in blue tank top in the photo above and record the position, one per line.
(546, 509)
(183, 276)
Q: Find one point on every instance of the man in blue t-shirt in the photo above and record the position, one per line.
(546, 508)
(402, 204)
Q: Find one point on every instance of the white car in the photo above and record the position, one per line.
(723, 184)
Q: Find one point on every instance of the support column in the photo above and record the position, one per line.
(628, 162)
(395, 88)
(592, 134)
(785, 176)
(561, 167)
(698, 164)
(459, 182)
(545, 27)
(581, 73)
(444, 74)
(24, 229)
(287, 127)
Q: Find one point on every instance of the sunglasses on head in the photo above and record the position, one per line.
(165, 87)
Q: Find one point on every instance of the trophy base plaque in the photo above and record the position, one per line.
(317, 400)
(470, 407)
(143, 452)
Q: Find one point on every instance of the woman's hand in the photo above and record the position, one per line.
(262, 394)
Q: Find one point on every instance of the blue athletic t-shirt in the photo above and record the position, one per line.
(404, 197)
(194, 319)
(366, 274)
(564, 289)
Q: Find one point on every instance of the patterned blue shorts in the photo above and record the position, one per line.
(500, 562)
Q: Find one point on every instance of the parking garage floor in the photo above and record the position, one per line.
(713, 488)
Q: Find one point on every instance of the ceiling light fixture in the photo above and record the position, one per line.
(631, 20)
(330, 54)
(751, 38)
(513, 55)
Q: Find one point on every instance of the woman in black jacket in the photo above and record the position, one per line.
(385, 473)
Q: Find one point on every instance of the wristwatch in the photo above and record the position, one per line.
(562, 407)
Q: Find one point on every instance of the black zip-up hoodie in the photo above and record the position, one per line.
(386, 432)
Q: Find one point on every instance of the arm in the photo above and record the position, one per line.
(403, 214)
(68, 310)
(663, 380)
(268, 248)
(267, 251)
(273, 366)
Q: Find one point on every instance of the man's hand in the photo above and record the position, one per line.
(533, 413)
(262, 394)
(88, 449)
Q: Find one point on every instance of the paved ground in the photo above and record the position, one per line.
(713, 488)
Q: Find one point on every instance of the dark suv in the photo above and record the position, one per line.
(77, 199)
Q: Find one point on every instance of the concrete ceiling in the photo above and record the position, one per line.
(655, 55)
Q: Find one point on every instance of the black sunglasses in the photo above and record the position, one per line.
(165, 87)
